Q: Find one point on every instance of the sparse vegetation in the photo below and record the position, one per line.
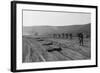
(34, 49)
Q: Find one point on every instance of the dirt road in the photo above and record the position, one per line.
(34, 50)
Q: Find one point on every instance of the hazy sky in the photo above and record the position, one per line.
(38, 18)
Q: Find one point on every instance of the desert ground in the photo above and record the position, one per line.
(39, 49)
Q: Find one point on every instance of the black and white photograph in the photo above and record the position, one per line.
(47, 36)
(55, 36)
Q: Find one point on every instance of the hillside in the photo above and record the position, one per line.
(43, 30)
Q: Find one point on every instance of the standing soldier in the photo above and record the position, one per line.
(87, 36)
(54, 35)
(59, 35)
(62, 35)
(70, 35)
(80, 36)
(66, 36)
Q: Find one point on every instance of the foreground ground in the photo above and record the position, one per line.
(35, 49)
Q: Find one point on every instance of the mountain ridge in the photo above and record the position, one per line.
(42, 30)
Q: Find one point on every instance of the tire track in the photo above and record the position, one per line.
(36, 50)
(65, 54)
(48, 47)
(61, 53)
(78, 50)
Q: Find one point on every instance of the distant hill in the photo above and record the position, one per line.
(43, 30)
(38, 29)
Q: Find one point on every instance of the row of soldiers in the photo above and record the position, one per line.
(70, 36)
(63, 35)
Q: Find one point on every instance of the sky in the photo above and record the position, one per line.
(43, 18)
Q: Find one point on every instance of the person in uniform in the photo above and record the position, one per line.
(80, 36)
(70, 35)
(66, 35)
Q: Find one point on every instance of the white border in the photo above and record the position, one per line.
(21, 65)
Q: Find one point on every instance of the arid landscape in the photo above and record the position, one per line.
(40, 44)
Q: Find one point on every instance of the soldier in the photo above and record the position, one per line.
(62, 35)
(87, 36)
(58, 35)
(70, 35)
(54, 35)
(80, 36)
(66, 36)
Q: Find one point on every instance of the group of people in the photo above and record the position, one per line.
(63, 35)
(70, 36)
(80, 38)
